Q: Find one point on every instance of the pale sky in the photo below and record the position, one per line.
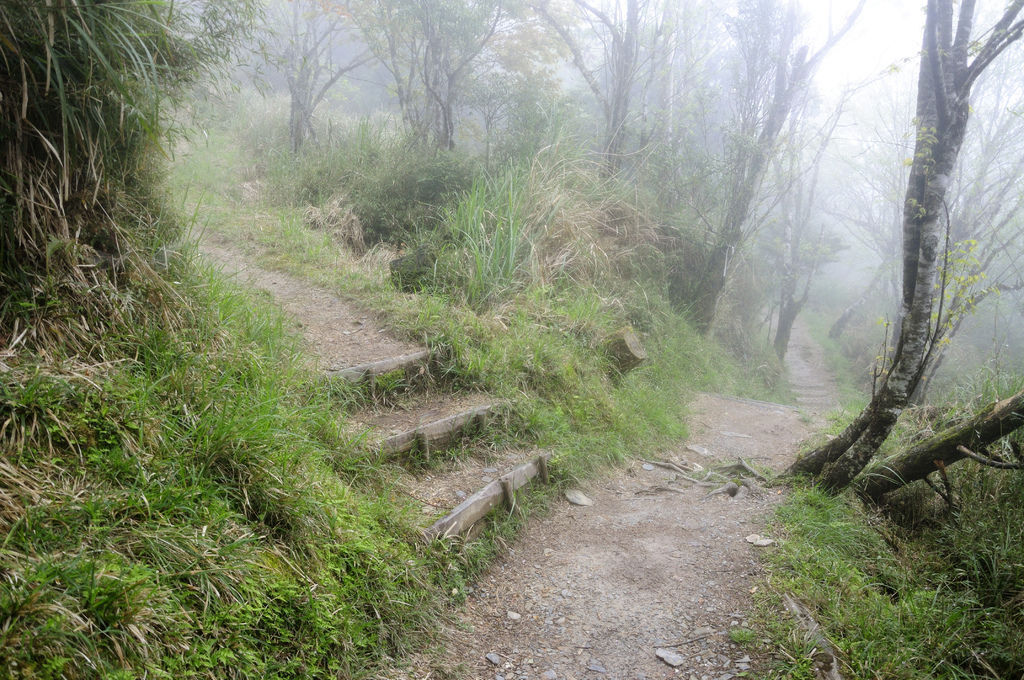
(887, 34)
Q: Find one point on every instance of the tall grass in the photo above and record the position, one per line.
(553, 219)
(85, 87)
(177, 511)
(923, 590)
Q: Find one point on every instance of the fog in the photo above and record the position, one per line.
(772, 140)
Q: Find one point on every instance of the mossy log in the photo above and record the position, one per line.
(625, 349)
(991, 424)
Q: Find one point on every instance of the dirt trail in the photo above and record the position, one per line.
(338, 332)
(654, 564)
(815, 388)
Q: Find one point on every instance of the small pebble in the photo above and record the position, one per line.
(514, 616)
(493, 658)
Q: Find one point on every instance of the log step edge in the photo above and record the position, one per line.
(470, 511)
(357, 374)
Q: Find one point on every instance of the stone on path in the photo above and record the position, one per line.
(759, 541)
(493, 658)
(670, 657)
(577, 497)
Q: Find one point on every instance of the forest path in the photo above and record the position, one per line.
(405, 408)
(655, 565)
(339, 333)
(815, 388)
(657, 571)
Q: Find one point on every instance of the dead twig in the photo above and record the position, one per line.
(681, 643)
(825, 658)
(674, 467)
(658, 489)
(998, 464)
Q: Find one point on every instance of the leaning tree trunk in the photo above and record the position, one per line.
(991, 424)
(942, 113)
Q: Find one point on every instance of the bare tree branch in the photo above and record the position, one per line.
(998, 464)
(1003, 34)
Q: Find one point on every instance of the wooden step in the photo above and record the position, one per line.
(428, 423)
(368, 371)
(437, 434)
(502, 490)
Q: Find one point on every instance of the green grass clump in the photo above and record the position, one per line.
(938, 602)
(176, 511)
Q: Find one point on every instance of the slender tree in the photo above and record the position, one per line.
(804, 243)
(775, 71)
(986, 225)
(312, 55)
(432, 49)
(950, 65)
(632, 36)
(870, 207)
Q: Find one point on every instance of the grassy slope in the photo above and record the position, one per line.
(922, 592)
(187, 503)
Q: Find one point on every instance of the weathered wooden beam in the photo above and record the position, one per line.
(357, 374)
(476, 507)
(438, 433)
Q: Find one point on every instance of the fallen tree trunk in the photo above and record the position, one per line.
(992, 423)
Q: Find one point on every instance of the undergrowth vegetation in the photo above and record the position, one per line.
(921, 589)
(178, 511)
(524, 274)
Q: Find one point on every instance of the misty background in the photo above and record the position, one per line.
(675, 100)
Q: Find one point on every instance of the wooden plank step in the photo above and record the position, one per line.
(367, 371)
(476, 507)
(436, 434)
(427, 421)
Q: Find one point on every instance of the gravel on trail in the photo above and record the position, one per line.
(649, 581)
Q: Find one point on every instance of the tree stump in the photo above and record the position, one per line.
(625, 349)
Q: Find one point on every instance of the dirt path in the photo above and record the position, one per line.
(815, 388)
(657, 565)
(339, 333)
(654, 564)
